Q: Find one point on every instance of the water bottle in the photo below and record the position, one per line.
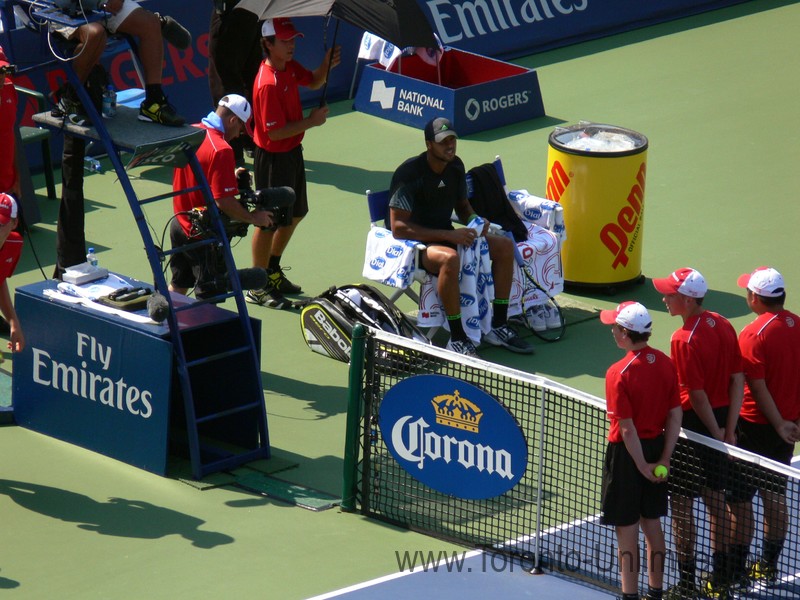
(91, 257)
(109, 102)
(91, 164)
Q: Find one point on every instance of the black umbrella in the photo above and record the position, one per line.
(401, 22)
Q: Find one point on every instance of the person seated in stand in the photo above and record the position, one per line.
(10, 250)
(129, 18)
(194, 268)
(425, 191)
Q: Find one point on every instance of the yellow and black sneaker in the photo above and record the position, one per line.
(282, 283)
(762, 572)
(715, 591)
(161, 112)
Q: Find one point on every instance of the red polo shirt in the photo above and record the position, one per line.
(215, 156)
(771, 351)
(8, 118)
(706, 354)
(276, 102)
(643, 386)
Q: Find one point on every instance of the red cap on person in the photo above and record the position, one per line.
(688, 282)
(630, 315)
(764, 281)
(282, 28)
(8, 208)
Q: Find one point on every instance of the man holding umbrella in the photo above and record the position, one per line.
(278, 133)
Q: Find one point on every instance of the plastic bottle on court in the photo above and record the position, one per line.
(91, 257)
(109, 102)
(91, 164)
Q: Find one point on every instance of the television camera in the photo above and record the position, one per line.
(278, 200)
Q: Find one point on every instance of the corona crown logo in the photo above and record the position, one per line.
(454, 411)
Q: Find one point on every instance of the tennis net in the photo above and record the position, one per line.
(549, 519)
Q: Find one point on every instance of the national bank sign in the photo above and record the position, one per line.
(453, 437)
(481, 93)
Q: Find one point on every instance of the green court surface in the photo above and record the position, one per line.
(716, 94)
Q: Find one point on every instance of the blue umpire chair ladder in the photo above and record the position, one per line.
(216, 359)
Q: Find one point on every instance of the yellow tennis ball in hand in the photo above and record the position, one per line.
(661, 471)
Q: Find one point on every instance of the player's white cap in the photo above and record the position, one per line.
(688, 282)
(764, 281)
(630, 315)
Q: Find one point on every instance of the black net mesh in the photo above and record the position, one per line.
(551, 517)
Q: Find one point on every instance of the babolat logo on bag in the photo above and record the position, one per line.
(453, 437)
(327, 321)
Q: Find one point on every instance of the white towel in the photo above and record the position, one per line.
(477, 292)
(388, 260)
(541, 254)
(546, 213)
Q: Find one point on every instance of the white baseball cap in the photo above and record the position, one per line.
(630, 315)
(764, 281)
(239, 106)
(688, 282)
(281, 28)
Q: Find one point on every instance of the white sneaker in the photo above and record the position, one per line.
(535, 318)
(465, 347)
(552, 318)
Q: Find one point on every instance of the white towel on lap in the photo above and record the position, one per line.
(477, 292)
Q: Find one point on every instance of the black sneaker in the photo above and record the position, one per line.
(509, 339)
(270, 298)
(160, 112)
(682, 591)
(67, 106)
(281, 283)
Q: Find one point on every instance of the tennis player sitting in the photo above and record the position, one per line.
(644, 411)
(425, 191)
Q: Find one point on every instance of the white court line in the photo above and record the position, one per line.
(385, 578)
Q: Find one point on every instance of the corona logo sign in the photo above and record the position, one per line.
(453, 437)
(557, 181)
(621, 236)
(454, 411)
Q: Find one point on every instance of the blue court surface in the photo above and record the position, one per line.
(478, 575)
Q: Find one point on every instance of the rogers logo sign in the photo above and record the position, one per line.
(620, 238)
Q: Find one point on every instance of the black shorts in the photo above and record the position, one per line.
(695, 467)
(746, 478)
(627, 495)
(277, 169)
(193, 268)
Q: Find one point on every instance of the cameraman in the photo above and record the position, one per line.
(193, 268)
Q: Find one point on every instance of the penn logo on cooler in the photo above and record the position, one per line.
(453, 437)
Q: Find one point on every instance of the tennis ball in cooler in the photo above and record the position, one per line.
(660, 471)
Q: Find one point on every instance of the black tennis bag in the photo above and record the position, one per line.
(327, 321)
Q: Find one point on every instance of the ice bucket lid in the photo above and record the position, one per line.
(596, 139)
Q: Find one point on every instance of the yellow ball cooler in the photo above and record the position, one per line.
(597, 173)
